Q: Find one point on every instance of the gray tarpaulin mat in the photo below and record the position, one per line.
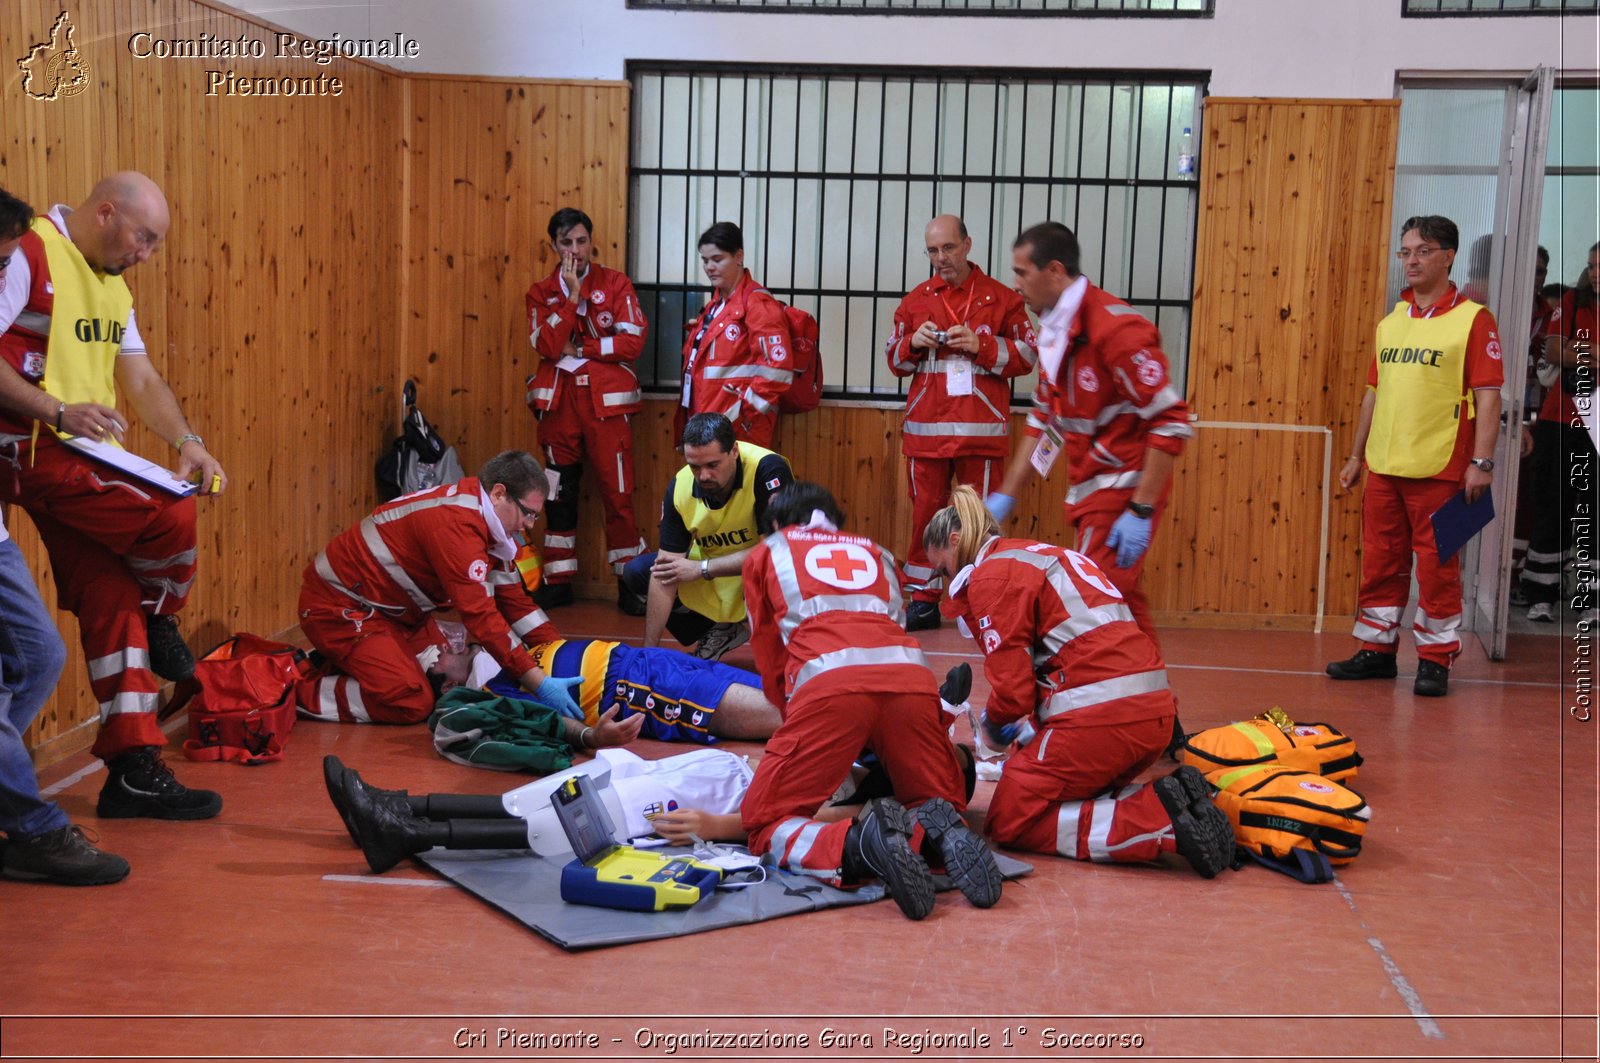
(528, 888)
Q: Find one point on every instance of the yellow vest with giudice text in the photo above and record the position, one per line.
(1422, 392)
(717, 533)
(87, 319)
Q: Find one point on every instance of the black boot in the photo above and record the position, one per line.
(333, 775)
(879, 846)
(139, 783)
(630, 603)
(553, 595)
(967, 860)
(957, 685)
(1201, 829)
(1366, 664)
(922, 616)
(170, 656)
(385, 833)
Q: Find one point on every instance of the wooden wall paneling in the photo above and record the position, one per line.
(267, 309)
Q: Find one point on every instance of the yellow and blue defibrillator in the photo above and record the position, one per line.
(607, 875)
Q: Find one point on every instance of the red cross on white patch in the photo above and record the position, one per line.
(843, 565)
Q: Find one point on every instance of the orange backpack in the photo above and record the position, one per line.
(1291, 820)
(1273, 738)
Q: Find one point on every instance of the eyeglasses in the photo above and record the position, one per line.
(941, 252)
(527, 514)
(1421, 254)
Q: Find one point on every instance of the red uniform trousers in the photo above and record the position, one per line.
(1067, 791)
(825, 727)
(570, 434)
(378, 679)
(1395, 523)
(119, 550)
(757, 428)
(930, 492)
(1093, 528)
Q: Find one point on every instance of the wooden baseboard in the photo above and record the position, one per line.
(1237, 621)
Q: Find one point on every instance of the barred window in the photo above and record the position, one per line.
(1114, 8)
(1433, 8)
(833, 173)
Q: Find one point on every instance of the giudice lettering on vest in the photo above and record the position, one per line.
(97, 330)
(1408, 355)
(737, 537)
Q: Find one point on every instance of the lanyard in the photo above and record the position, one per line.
(705, 325)
(966, 311)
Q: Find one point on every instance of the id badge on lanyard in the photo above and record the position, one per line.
(958, 377)
(694, 349)
(1047, 450)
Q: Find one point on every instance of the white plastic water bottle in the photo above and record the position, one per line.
(1186, 154)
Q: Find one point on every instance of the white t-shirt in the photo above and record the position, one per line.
(16, 280)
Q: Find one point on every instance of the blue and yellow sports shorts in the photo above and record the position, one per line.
(677, 694)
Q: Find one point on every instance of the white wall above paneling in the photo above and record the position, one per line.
(1268, 48)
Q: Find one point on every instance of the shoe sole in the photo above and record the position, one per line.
(957, 686)
(1194, 785)
(967, 860)
(139, 811)
(1203, 833)
(1363, 675)
(1428, 690)
(907, 877)
(333, 773)
(733, 644)
(48, 880)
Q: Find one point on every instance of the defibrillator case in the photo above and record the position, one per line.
(605, 874)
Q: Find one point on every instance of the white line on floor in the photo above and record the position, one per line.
(1407, 992)
(374, 880)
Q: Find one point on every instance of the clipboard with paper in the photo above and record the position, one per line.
(133, 465)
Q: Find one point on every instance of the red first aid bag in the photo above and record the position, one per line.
(241, 700)
(804, 394)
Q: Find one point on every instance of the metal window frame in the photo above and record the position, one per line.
(1418, 9)
(663, 381)
(945, 9)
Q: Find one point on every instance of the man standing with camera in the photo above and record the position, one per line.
(960, 335)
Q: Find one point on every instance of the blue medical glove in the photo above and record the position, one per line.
(999, 736)
(555, 693)
(1130, 536)
(1000, 506)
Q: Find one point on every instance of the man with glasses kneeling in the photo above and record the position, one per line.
(366, 599)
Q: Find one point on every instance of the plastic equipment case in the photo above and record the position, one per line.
(607, 875)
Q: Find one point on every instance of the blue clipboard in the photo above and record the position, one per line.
(1456, 522)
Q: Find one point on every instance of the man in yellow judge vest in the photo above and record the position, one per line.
(709, 518)
(123, 553)
(1426, 430)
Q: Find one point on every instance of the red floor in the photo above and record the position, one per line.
(1466, 930)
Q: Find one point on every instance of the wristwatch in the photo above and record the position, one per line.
(1140, 510)
(1486, 464)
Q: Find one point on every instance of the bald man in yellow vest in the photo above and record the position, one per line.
(123, 552)
(1427, 430)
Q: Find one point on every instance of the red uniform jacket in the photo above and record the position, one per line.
(938, 424)
(605, 326)
(744, 359)
(1112, 398)
(1057, 638)
(825, 609)
(428, 551)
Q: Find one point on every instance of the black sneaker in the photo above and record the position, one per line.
(922, 616)
(386, 835)
(139, 783)
(553, 595)
(1366, 664)
(879, 846)
(64, 857)
(1202, 830)
(1433, 680)
(333, 773)
(957, 685)
(966, 859)
(630, 603)
(170, 656)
